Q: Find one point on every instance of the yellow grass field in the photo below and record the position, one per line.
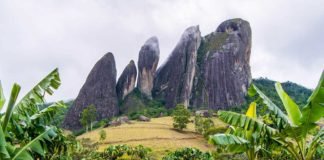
(158, 134)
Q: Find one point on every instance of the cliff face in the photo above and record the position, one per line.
(126, 81)
(98, 90)
(148, 60)
(224, 73)
(173, 81)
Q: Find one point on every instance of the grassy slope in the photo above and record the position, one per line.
(156, 134)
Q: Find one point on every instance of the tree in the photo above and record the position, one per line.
(102, 135)
(88, 116)
(180, 117)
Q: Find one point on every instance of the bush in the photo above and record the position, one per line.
(188, 154)
(180, 117)
(206, 127)
(102, 135)
(139, 152)
(117, 151)
(151, 111)
(114, 152)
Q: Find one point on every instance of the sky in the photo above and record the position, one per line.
(38, 36)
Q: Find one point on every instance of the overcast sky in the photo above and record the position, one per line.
(38, 36)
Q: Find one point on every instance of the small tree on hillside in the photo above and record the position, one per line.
(88, 115)
(102, 135)
(180, 117)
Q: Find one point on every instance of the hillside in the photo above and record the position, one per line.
(297, 92)
(157, 134)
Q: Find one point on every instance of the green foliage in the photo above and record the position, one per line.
(290, 132)
(117, 151)
(181, 117)
(139, 152)
(102, 135)
(188, 154)
(298, 93)
(136, 104)
(25, 131)
(88, 115)
(206, 127)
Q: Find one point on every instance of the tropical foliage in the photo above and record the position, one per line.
(188, 154)
(25, 131)
(290, 131)
(117, 151)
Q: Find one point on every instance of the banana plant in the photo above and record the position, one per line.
(295, 126)
(246, 134)
(24, 128)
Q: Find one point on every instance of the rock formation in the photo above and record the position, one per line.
(126, 81)
(223, 73)
(147, 62)
(99, 90)
(173, 80)
(212, 72)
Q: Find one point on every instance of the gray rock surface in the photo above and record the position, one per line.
(147, 63)
(126, 81)
(223, 73)
(99, 90)
(143, 118)
(173, 80)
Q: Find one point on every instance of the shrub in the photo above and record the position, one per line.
(102, 135)
(188, 154)
(114, 152)
(139, 152)
(117, 151)
(180, 117)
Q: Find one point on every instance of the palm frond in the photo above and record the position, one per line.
(247, 123)
(291, 107)
(28, 104)
(2, 98)
(280, 116)
(314, 109)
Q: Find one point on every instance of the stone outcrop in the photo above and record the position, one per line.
(223, 73)
(126, 81)
(98, 90)
(173, 80)
(143, 118)
(148, 60)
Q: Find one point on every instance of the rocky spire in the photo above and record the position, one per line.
(126, 81)
(173, 80)
(147, 64)
(98, 90)
(223, 73)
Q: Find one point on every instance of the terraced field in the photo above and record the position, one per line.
(157, 134)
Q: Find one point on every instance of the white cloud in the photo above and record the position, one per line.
(37, 36)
